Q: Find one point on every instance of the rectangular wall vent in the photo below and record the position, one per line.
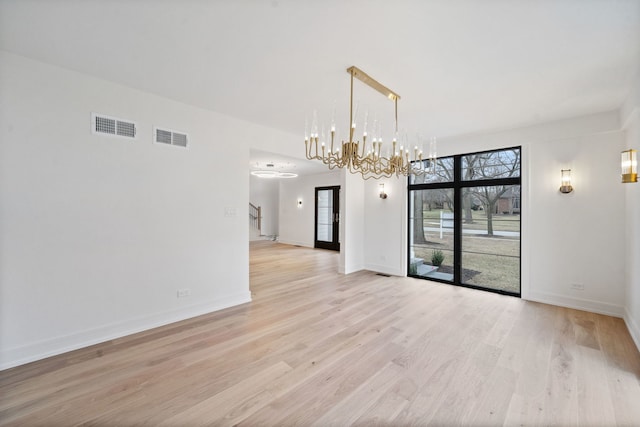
(171, 137)
(106, 125)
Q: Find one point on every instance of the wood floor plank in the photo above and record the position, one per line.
(315, 347)
(388, 407)
(594, 407)
(348, 410)
(234, 403)
(491, 408)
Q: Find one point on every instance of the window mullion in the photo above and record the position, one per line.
(457, 216)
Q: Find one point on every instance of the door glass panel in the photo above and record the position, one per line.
(431, 233)
(491, 237)
(325, 215)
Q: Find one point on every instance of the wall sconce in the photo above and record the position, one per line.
(629, 164)
(383, 195)
(566, 187)
(299, 203)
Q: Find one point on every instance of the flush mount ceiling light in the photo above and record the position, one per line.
(356, 156)
(273, 174)
(287, 175)
(265, 174)
(270, 170)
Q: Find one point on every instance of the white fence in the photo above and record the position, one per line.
(446, 221)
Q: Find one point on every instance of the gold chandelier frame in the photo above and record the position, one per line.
(355, 156)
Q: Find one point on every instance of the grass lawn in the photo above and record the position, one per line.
(488, 261)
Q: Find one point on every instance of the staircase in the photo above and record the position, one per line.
(255, 225)
(255, 222)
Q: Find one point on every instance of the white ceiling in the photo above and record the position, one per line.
(459, 66)
(264, 160)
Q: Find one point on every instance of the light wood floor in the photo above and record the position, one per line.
(318, 348)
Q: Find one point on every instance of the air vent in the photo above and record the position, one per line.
(171, 137)
(105, 125)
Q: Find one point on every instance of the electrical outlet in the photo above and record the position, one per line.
(577, 286)
(184, 293)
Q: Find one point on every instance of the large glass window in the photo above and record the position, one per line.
(465, 221)
(491, 165)
(431, 238)
(491, 238)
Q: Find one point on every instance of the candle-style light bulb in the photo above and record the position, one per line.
(314, 123)
(333, 117)
(366, 118)
(306, 128)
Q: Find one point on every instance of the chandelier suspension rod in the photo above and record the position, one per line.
(373, 83)
(396, 106)
(351, 129)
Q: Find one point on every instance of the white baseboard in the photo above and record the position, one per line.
(633, 326)
(12, 357)
(577, 303)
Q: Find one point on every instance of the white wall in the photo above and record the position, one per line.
(97, 234)
(352, 223)
(574, 238)
(385, 221)
(296, 222)
(265, 193)
(630, 116)
(577, 238)
(632, 238)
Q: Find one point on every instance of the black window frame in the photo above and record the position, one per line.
(458, 184)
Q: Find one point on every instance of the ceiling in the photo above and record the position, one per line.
(459, 66)
(264, 160)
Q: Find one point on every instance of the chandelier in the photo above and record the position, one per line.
(357, 156)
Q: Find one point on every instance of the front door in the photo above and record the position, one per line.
(327, 218)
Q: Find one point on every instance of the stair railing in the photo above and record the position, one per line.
(255, 217)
